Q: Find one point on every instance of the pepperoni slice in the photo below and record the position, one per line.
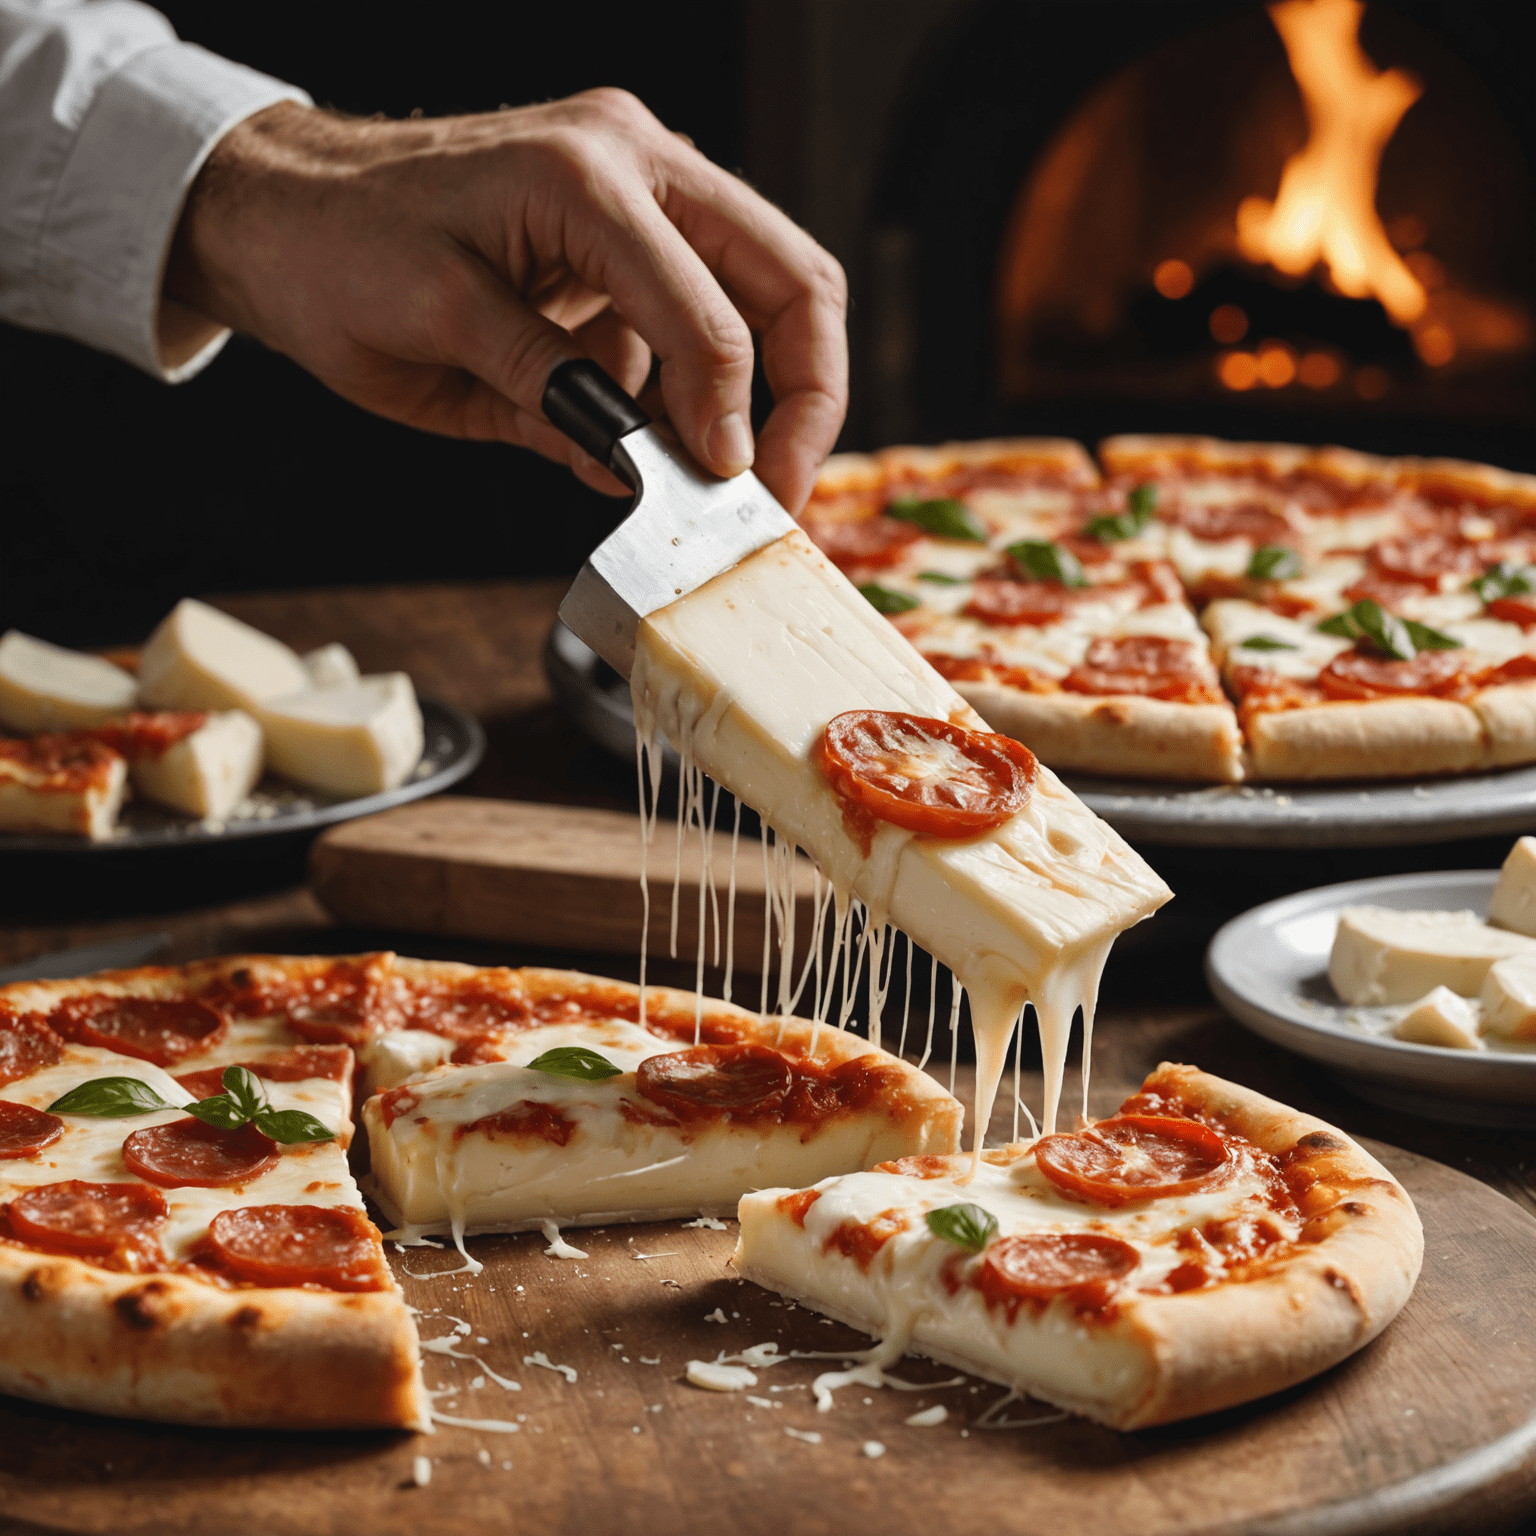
(1085, 1265)
(161, 1030)
(81, 1217)
(1514, 610)
(25, 1131)
(1238, 520)
(1384, 590)
(1132, 1157)
(995, 600)
(27, 1045)
(867, 541)
(716, 1080)
(187, 1153)
(1359, 675)
(1153, 666)
(294, 1066)
(1426, 557)
(926, 776)
(299, 1245)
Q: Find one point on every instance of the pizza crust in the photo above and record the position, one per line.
(1125, 735)
(1367, 739)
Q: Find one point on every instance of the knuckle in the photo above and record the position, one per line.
(613, 106)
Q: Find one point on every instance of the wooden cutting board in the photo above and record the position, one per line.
(1430, 1428)
(553, 875)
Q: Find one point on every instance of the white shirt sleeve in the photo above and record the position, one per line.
(105, 118)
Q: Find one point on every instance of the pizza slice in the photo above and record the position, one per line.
(65, 783)
(1201, 1247)
(1046, 599)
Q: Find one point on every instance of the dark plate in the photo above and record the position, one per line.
(454, 744)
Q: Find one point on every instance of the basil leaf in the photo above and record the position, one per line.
(1114, 526)
(1265, 643)
(1341, 624)
(939, 579)
(1505, 580)
(109, 1097)
(966, 1226)
(1274, 562)
(1048, 562)
(1142, 502)
(884, 600)
(291, 1125)
(1368, 620)
(244, 1089)
(221, 1112)
(575, 1061)
(944, 518)
(1427, 639)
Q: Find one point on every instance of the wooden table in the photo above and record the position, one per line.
(479, 647)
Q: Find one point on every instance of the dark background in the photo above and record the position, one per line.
(864, 118)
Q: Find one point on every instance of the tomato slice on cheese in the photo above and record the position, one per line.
(1133, 1157)
(926, 776)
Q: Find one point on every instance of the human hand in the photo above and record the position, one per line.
(435, 271)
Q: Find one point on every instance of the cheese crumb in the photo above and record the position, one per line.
(810, 1436)
(484, 1456)
(874, 1450)
(926, 1418)
(717, 1316)
(720, 1378)
(711, 1223)
(421, 1471)
(538, 1357)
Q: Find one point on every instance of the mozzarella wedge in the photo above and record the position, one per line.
(1442, 1018)
(45, 687)
(1509, 998)
(328, 665)
(1513, 904)
(207, 773)
(1383, 955)
(200, 658)
(743, 676)
(66, 784)
(357, 738)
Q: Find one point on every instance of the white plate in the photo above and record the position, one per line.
(1269, 970)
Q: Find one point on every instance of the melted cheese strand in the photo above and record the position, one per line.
(709, 865)
(684, 788)
(704, 852)
(933, 1002)
(957, 994)
(730, 907)
(647, 828)
(762, 1006)
(906, 1002)
(1018, 1053)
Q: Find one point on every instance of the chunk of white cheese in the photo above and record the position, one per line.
(45, 687)
(400, 1054)
(1441, 1018)
(352, 739)
(207, 773)
(1514, 896)
(1383, 955)
(200, 658)
(1509, 997)
(328, 665)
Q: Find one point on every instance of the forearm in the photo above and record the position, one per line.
(105, 119)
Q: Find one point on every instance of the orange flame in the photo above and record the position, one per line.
(1325, 211)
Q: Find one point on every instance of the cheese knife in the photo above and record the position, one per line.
(684, 527)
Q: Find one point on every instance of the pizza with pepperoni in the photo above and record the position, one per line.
(181, 1236)
(1193, 609)
(1201, 1247)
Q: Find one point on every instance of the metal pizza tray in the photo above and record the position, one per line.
(1213, 816)
(1269, 970)
(454, 745)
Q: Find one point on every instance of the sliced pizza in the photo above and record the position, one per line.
(1201, 1247)
(67, 783)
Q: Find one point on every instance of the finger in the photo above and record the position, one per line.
(617, 348)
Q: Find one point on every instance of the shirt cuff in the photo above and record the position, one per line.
(115, 209)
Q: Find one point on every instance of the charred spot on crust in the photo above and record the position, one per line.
(1355, 1208)
(44, 1281)
(1320, 1141)
(144, 1309)
(241, 977)
(245, 1319)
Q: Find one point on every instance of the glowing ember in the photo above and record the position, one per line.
(1325, 211)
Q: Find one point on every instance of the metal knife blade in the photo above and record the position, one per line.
(685, 525)
(61, 964)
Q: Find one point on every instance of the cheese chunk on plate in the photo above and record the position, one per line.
(1383, 955)
(45, 687)
(201, 765)
(328, 665)
(1513, 904)
(357, 738)
(1442, 1018)
(200, 658)
(69, 784)
(1509, 998)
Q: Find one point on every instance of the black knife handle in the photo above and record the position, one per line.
(584, 403)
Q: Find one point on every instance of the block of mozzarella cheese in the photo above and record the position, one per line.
(1383, 955)
(328, 665)
(352, 739)
(200, 658)
(66, 783)
(1513, 904)
(1441, 1018)
(44, 687)
(1509, 998)
(205, 773)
